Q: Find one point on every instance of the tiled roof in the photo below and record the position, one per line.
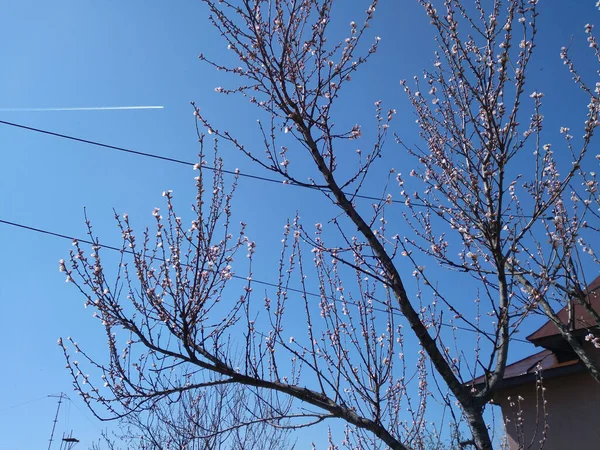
(523, 370)
(583, 319)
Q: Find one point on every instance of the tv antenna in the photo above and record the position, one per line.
(68, 441)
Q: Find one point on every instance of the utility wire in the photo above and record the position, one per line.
(188, 163)
(83, 413)
(175, 160)
(111, 247)
(23, 403)
(395, 311)
(134, 152)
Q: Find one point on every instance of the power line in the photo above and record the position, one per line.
(208, 167)
(188, 163)
(133, 152)
(23, 403)
(83, 413)
(111, 247)
(395, 311)
(175, 160)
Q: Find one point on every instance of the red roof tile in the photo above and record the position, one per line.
(582, 317)
(546, 359)
(523, 371)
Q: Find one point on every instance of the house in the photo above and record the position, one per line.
(554, 384)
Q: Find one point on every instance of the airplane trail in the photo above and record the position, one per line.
(87, 108)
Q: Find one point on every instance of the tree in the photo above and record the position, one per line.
(531, 229)
(214, 419)
(465, 196)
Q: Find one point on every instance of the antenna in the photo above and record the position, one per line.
(60, 398)
(67, 441)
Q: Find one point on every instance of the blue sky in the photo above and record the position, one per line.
(111, 53)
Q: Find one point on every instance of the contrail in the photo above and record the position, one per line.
(89, 108)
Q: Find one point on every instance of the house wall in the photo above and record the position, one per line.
(573, 411)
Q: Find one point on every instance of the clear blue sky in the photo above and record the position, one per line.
(117, 53)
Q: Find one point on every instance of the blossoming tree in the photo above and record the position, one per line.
(215, 419)
(522, 236)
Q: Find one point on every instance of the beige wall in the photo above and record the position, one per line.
(573, 408)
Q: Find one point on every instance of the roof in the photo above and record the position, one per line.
(524, 371)
(583, 320)
(558, 358)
